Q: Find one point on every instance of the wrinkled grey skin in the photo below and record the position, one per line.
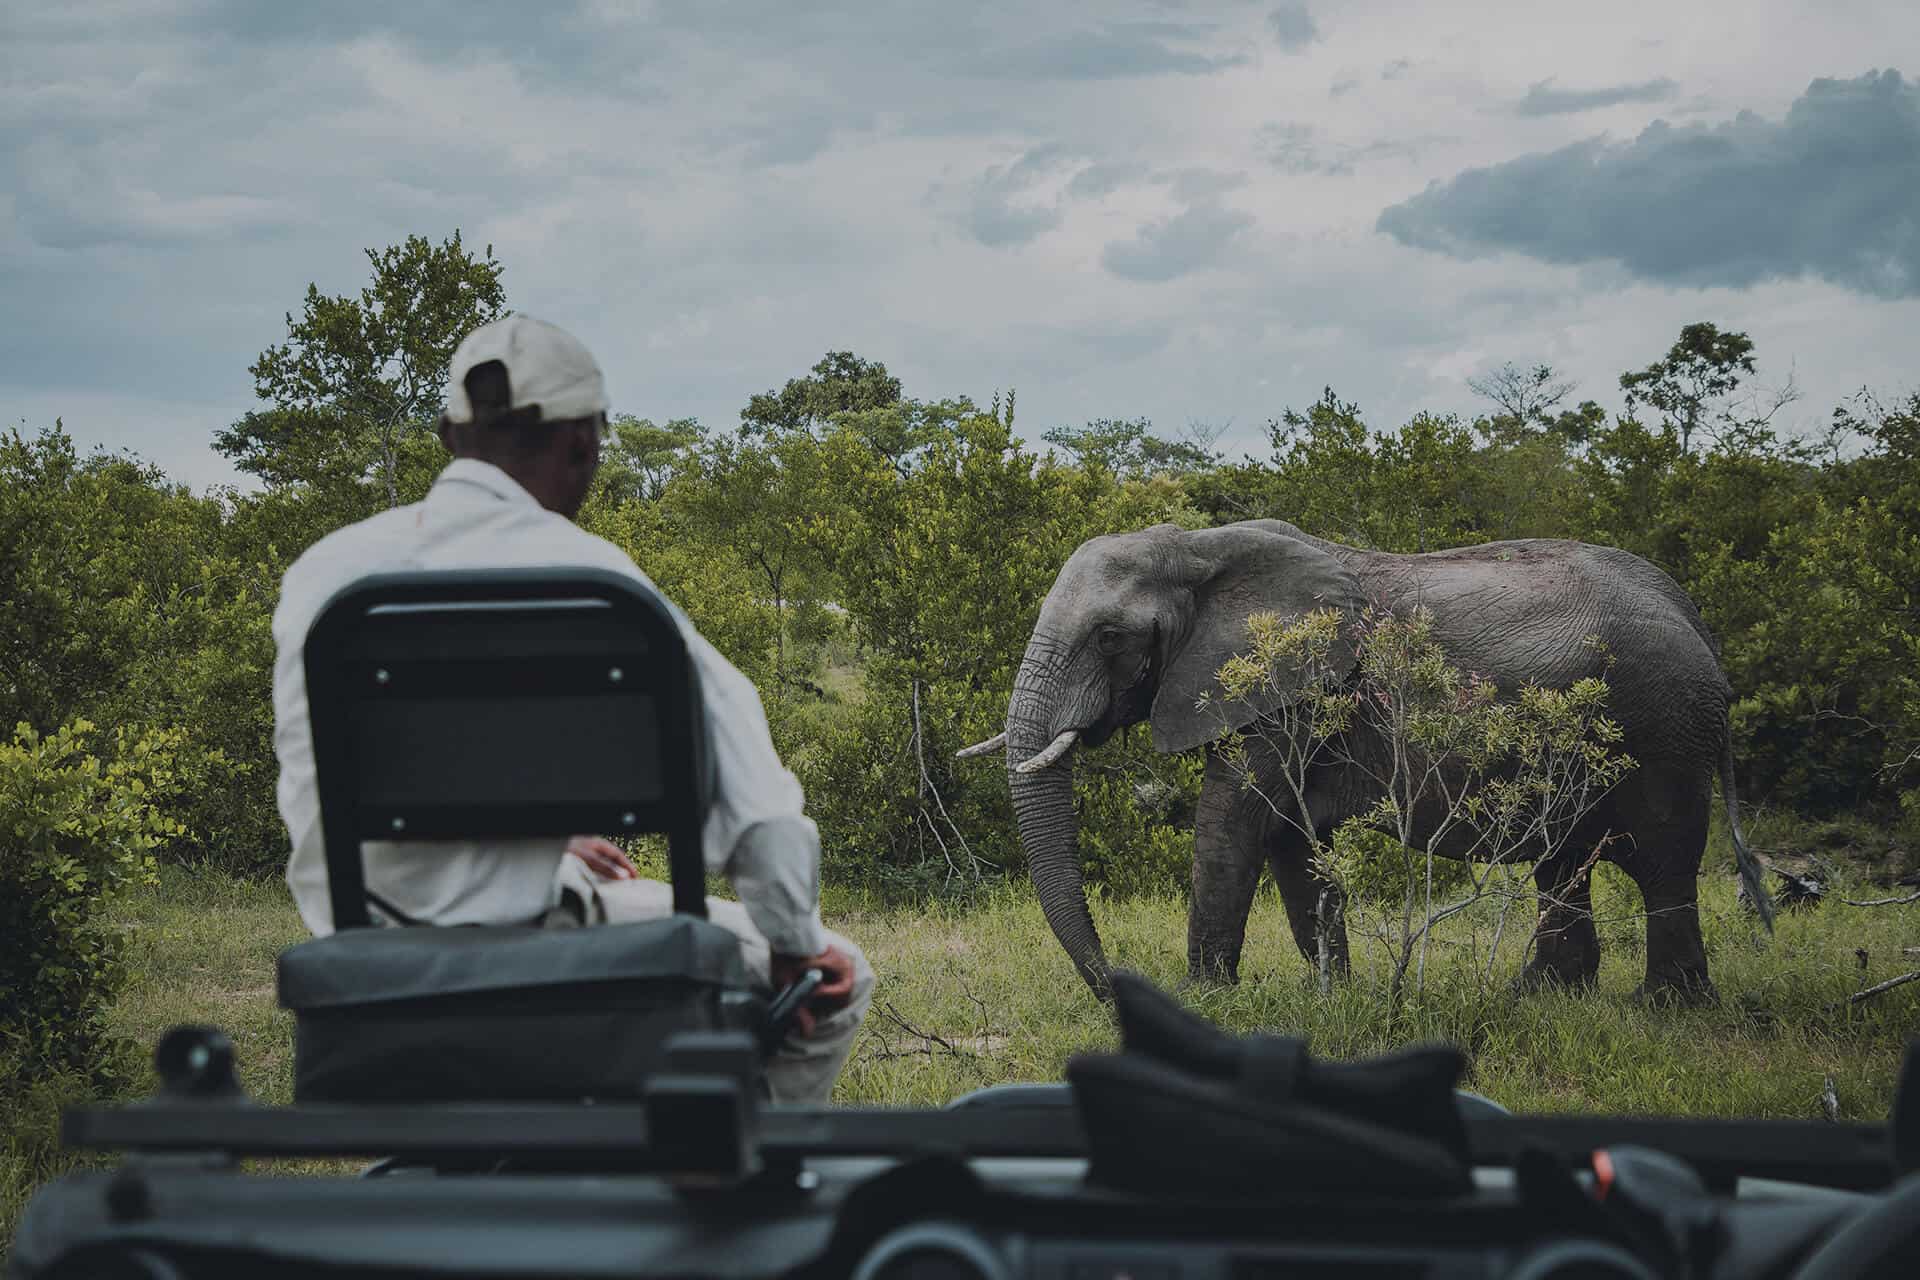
(1137, 624)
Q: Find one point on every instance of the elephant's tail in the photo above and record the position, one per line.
(1751, 883)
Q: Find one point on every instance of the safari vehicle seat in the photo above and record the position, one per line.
(492, 704)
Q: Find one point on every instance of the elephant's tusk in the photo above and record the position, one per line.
(1055, 749)
(994, 743)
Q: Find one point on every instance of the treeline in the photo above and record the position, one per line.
(874, 561)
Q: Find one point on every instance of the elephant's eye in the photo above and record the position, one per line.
(1111, 639)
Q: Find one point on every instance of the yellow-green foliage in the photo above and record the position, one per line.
(75, 829)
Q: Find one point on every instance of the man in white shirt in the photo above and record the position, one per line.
(526, 412)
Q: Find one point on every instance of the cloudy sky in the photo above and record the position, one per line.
(1194, 212)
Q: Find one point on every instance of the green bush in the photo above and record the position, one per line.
(74, 828)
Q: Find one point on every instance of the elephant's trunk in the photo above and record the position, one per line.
(1043, 808)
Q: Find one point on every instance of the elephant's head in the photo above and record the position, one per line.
(1135, 628)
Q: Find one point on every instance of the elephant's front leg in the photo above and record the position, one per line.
(1316, 909)
(1229, 831)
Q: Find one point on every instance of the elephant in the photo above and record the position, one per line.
(1136, 625)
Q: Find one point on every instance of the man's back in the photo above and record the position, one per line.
(476, 516)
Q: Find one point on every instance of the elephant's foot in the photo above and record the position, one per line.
(1549, 977)
(1200, 984)
(1209, 967)
(1677, 991)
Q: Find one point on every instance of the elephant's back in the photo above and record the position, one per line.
(1525, 610)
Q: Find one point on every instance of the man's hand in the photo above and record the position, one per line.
(835, 989)
(603, 857)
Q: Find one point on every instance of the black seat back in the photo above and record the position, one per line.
(489, 705)
(500, 703)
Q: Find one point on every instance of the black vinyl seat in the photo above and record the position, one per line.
(501, 704)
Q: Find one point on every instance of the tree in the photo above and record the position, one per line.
(1130, 449)
(840, 383)
(1703, 366)
(757, 497)
(1393, 492)
(641, 457)
(1525, 398)
(358, 376)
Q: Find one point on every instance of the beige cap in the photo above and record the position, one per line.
(548, 369)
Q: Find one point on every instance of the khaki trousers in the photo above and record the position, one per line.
(802, 1071)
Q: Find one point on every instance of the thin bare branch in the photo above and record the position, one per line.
(1884, 902)
(1884, 987)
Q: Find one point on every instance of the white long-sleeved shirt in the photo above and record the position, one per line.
(476, 516)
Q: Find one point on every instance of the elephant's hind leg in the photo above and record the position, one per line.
(1566, 947)
(1667, 870)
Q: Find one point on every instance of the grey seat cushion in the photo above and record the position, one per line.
(505, 1012)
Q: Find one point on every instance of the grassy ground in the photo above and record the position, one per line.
(982, 994)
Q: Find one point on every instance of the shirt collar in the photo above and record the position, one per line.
(464, 472)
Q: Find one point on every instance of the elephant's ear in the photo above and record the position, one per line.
(1238, 572)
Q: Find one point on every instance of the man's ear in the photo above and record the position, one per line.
(1238, 572)
(446, 434)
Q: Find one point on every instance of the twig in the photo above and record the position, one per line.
(974, 861)
(1884, 902)
(930, 1041)
(1888, 985)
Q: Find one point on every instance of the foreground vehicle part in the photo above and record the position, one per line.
(702, 1178)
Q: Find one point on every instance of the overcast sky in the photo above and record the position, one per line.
(1197, 212)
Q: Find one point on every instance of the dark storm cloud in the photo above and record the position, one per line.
(1293, 26)
(1828, 192)
(1173, 247)
(1544, 100)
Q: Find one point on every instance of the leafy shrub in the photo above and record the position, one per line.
(74, 828)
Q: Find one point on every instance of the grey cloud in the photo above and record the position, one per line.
(1173, 247)
(1119, 51)
(1826, 192)
(792, 131)
(1128, 343)
(1293, 26)
(1193, 186)
(552, 35)
(1343, 86)
(1544, 100)
(794, 140)
(996, 208)
(1395, 69)
(964, 40)
(1293, 147)
(1004, 207)
(1097, 180)
(1290, 148)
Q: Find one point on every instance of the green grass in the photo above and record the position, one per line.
(981, 994)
